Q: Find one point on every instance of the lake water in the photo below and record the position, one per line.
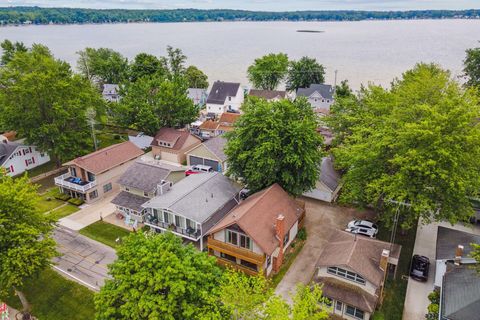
(362, 52)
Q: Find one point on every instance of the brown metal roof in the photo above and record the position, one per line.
(107, 158)
(257, 215)
(359, 253)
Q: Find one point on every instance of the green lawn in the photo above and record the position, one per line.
(104, 232)
(64, 211)
(105, 139)
(395, 290)
(53, 297)
(48, 202)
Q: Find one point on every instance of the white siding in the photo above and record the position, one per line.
(234, 103)
(17, 161)
(368, 287)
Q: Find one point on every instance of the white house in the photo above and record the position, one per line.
(111, 92)
(328, 185)
(320, 96)
(198, 96)
(16, 158)
(225, 97)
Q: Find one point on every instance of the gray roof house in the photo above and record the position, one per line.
(209, 153)
(328, 184)
(141, 182)
(460, 297)
(224, 97)
(198, 96)
(320, 96)
(193, 206)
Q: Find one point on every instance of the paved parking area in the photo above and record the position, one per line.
(416, 298)
(82, 259)
(322, 219)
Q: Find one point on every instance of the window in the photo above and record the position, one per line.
(107, 187)
(191, 224)
(29, 162)
(269, 260)
(228, 257)
(145, 194)
(7, 170)
(323, 100)
(232, 237)
(180, 222)
(354, 312)
(91, 176)
(127, 189)
(167, 217)
(93, 194)
(249, 265)
(287, 237)
(338, 306)
(245, 242)
(346, 274)
(328, 101)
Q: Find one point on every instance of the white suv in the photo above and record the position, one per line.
(363, 227)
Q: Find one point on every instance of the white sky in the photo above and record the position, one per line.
(261, 5)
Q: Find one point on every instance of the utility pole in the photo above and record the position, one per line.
(336, 71)
(91, 119)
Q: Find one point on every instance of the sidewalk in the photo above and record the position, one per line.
(89, 214)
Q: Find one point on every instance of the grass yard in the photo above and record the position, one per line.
(44, 168)
(63, 211)
(105, 139)
(105, 233)
(53, 297)
(289, 258)
(395, 290)
(48, 201)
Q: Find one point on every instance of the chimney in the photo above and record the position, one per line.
(384, 259)
(458, 255)
(280, 235)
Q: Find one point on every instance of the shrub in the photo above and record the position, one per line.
(62, 196)
(302, 234)
(434, 297)
(433, 307)
(116, 137)
(75, 201)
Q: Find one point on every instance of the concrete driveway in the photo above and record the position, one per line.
(416, 298)
(82, 259)
(90, 213)
(322, 219)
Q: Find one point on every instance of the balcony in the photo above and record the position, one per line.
(235, 251)
(187, 233)
(73, 183)
(239, 267)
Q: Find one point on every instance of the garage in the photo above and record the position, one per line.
(193, 160)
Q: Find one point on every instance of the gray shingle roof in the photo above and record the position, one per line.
(6, 150)
(198, 196)
(461, 294)
(216, 146)
(328, 175)
(143, 176)
(325, 90)
(221, 90)
(129, 200)
(448, 240)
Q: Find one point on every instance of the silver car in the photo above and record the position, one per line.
(363, 227)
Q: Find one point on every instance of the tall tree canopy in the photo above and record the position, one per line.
(276, 142)
(472, 67)
(196, 78)
(26, 245)
(417, 144)
(157, 277)
(45, 102)
(102, 65)
(304, 72)
(145, 65)
(268, 71)
(152, 103)
(9, 49)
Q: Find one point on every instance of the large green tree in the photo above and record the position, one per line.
(152, 103)
(268, 71)
(196, 78)
(45, 102)
(146, 65)
(275, 142)
(157, 277)
(102, 65)
(414, 147)
(472, 67)
(304, 72)
(26, 245)
(9, 49)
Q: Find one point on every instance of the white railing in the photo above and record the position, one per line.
(61, 182)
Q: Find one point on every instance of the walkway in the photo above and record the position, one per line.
(90, 213)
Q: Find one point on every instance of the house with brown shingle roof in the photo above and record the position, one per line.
(254, 236)
(212, 128)
(94, 175)
(352, 270)
(269, 95)
(171, 144)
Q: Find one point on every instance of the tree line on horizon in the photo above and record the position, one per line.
(37, 15)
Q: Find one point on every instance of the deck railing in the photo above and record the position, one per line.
(61, 182)
(235, 251)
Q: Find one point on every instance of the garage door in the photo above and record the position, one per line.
(211, 163)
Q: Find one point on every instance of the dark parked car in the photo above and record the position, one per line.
(419, 268)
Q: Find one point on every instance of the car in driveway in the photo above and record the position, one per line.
(419, 268)
(363, 227)
(198, 169)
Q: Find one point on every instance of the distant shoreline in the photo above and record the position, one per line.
(19, 16)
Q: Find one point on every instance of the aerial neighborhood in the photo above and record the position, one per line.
(137, 189)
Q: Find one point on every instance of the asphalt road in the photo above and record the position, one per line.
(82, 259)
